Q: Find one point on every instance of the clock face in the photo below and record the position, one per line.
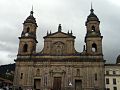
(26, 34)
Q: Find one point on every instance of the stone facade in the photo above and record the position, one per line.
(59, 66)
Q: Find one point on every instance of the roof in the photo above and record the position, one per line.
(30, 19)
(92, 17)
(60, 35)
(112, 64)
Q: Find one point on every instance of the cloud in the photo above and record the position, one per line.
(71, 14)
(6, 57)
(115, 2)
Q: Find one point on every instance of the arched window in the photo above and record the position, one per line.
(94, 47)
(28, 29)
(93, 28)
(25, 48)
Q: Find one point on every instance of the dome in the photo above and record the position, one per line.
(30, 19)
(118, 60)
(92, 17)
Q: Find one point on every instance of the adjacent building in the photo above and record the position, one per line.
(5, 83)
(112, 75)
(59, 66)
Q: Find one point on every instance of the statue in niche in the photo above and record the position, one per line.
(37, 72)
(78, 72)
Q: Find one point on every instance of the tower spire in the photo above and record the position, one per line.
(91, 5)
(31, 13)
(91, 10)
(32, 7)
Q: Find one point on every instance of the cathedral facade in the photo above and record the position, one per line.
(59, 66)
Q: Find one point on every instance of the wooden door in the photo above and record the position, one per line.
(37, 84)
(57, 83)
(78, 85)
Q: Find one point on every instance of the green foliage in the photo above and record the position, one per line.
(6, 71)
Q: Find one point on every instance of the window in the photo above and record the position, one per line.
(95, 76)
(21, 76)
(25, 48)
(114, 81)
(107, 80)
(114, 72)
(94, 47)
(114, 88)
(107, 72)
(117, 71)
(28, 29)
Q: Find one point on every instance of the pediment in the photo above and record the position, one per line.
(59, 35)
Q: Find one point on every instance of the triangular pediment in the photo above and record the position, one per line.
(59, 35)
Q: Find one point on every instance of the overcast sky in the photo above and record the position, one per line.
(71, 14)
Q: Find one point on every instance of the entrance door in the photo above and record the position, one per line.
(78, 85)
(37, 84)
(57, 83)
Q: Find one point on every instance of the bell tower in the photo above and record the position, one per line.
(93, 38)
(27, 44)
